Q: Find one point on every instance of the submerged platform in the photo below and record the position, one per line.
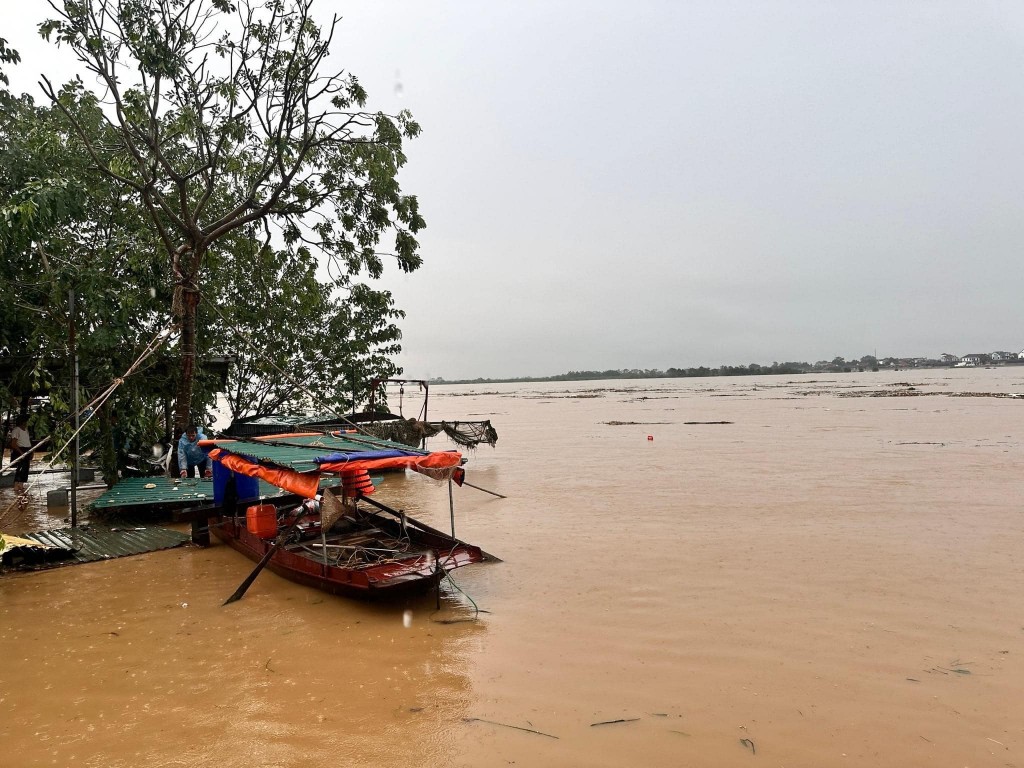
(86, 544)
(162, 496)
(157, 493)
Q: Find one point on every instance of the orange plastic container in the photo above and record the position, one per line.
(261, 520)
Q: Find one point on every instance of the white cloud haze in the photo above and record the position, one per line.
(658, 184)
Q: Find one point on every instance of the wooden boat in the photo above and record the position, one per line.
(363, 554)
(338, 539)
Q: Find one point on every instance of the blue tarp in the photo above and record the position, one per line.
(393, 453)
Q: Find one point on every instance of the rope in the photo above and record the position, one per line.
(476, 609)
(92, 407)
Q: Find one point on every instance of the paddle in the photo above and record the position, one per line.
(303, 510)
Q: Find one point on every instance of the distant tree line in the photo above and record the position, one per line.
(835, 365)
(753, 369)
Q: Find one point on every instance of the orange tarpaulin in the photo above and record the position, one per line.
(300, 483)
(440, 465)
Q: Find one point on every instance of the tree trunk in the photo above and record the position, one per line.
(187, 372)
(186, 304)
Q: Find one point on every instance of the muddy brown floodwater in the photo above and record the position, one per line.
(834, 578)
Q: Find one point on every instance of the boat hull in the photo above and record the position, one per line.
(413, 572)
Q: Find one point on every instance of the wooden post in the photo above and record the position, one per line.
(201, 532)
(74, 406)
(199, 517)
(7, 429)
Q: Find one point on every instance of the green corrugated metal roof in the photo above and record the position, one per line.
(93, 542)
(353, 441)
(299, 452)
(166, 494)
(296, 452)
(132, 491)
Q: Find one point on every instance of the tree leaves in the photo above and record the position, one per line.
(227, 169)
(300, 345)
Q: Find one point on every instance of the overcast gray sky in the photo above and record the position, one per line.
(658, 184)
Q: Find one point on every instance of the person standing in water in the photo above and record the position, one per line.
(21, 445)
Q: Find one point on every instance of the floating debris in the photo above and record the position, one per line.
(635, 423)
(954, 668)
(506, 725)
(911, 392)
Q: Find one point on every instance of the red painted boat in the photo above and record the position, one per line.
(340, 540)
(363, 554)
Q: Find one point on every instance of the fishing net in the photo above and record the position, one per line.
(405, 431)
(469, 434)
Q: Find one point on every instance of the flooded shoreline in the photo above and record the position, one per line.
(823, 580)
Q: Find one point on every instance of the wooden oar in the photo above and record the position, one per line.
(303, 510)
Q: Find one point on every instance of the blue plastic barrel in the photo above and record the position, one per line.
(245, 487)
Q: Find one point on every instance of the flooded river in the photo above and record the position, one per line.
(832, 577)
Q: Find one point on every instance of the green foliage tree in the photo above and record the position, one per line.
(292, 335)
(218, 119)
(64, 228)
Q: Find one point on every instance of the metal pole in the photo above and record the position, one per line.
(451, 506)
(168, 429)
(470, 485)
(74, 407)
(426, 398)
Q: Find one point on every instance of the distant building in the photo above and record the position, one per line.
(1001, 357)
(948, 359)
(968, 361)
